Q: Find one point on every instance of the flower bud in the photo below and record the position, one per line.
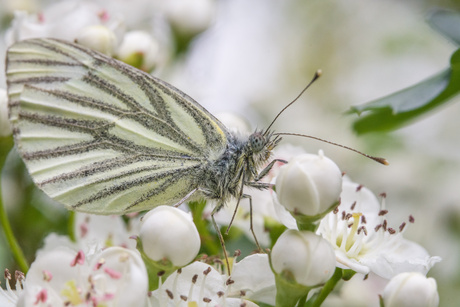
(190, 17)
(309, 185)
(169, 233)
(98, 38)
(305, 256)
(139, 49)
(411, 289)
(5, 128)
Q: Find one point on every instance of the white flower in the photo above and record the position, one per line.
(305, 255)
(309, 184)
(98, 37)
(363, 240)
(9, 297)
(5, 128)
(199, 284)
(411, 289)
(169, 233)
(99, 231)
(114, 277)
(140, 49)
(190, 16)
(64, 20)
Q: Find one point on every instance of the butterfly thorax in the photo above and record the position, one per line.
(224, 177)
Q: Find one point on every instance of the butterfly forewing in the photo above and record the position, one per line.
(100, 136)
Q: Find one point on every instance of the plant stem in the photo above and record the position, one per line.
(6, 143)
(328, 287)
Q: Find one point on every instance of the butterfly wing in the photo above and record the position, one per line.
(100, 136)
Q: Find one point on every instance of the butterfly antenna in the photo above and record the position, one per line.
(315, 77)
(377, 159)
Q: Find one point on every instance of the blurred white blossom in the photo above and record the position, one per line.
(98, 37)
(411, 289)
(61, 276)
(8, 296)
(190, 17)
(65, 20)
(364, 241)
(140, 49)
(5, 127)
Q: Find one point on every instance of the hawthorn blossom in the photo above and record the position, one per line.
(364, 241)
(61, 276)
(199, 284)
(411, 289)
(66, 20)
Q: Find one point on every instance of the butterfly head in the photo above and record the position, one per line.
(261, 144)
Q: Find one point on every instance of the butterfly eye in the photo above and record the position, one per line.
(257, 141)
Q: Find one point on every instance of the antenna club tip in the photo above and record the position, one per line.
(318, 73)
(381, 160)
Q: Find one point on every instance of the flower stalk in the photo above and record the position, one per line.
(6, 144)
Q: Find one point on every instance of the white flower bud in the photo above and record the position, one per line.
(411, 289)
(140, 50)
(5, 128)
(169, 233)
(309, 184)
(190, 16)
(98, 38)
(308, 257)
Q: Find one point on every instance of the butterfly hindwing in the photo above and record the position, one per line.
(100, 136)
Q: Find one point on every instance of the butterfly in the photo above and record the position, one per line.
(102, 137)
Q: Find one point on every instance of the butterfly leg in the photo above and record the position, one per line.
(221, 238)
(268, 168)
(251, 227)
(180, 202)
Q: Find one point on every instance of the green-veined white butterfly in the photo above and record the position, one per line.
(102, 137)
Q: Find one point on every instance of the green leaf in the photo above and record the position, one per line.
(399, 109)
(447, 23)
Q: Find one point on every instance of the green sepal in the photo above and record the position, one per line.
(155, 269)
(274, 229)
(311, 223)
(288, 291)
(347, 274)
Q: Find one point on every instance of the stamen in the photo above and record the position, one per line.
(170, 294)
(79, 259)
(411, 219)
(401, 227)
(229, 282)
(391, 231)
(41, 296)
(353, 205)
(112, 273)
(7, 274)
(47, 276)
(383, 212)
